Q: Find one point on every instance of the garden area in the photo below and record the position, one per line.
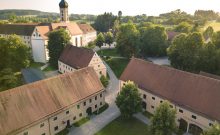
(122, 126)
(109, 52)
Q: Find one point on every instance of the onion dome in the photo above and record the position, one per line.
(63, 4)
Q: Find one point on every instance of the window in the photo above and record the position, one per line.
(84, 103)
(98, 65)
(193, 116)
(41, 125)
(95, 106)
(161, 101)
(39, 35)
(171, 106)
(144, 96)
(74, 118)
(100, 72)
(101, 95)
(153, 98)
(181, 111)
(100, 103)
(25, 133)
(210, 124)
(55, 118)
(67, 112)
(80, 115)
(152, 107)
(56, 128)
(95, 97)
(78, 106)
(90, 100)
(43, 134)
(34, 35)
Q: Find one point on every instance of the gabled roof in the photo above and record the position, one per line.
(86, 28)
(76, 57)
(72, 27)
(44, 31)
(195, 92)
(209, 75)
(18, 29)
(28, 104)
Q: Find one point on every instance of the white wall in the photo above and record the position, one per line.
(79, 42)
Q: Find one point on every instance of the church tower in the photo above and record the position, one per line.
(64, 11)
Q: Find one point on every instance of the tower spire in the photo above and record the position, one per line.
(64, 17)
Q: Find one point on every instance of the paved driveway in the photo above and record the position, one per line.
(98, 122)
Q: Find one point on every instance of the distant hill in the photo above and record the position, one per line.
(4, 14)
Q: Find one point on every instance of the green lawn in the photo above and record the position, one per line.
(36, 65)
(117, 65)
(108, 52)
(125, 127)
(49, 68)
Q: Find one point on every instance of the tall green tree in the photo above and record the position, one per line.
(129, 100)
(163, 121)
(214, 130)
(14, 54)
(128, 40)
(208, 33)
(216, 39)
(7, 79)
(58, 39)
(183, 27)
(153, 41)
(104, 22)
(100, 40)
(109, 38)
(119, 16)
(184, 53)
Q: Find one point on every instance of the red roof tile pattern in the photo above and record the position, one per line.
(195, 92)
(76, 57)
(86, 28)
(22, 106)
(44, 31)
(72, 27)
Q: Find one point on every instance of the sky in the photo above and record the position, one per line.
(128, 7)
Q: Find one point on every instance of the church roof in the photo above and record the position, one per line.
(76, 57)
(18, 29)
(32, 103)
(63, 4)
(192, 91)
(86, 28)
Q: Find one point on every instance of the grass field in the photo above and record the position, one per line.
(117, 65)
(214, 25)
(125, 127)
(108, 52)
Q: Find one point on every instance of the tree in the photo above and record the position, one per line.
(7, 79)
(208, 33)
(116, 27)
(128, 40)
(14, 54)
(129, 100)
(184, 52)
(119, 16)
(214, 130)
(216, 39)
(100, 40)
(104, 22)
(153, 41)
(163, 121)
(109, 38)
(58, 39)
(104, 81)
(183, 27)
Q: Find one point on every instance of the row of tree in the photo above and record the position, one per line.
(189, 52)
(163, 121)
(142, 40)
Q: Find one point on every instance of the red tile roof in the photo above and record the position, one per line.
(28, 104)
(44, 31)
(194, 92)
(76, 57)
(86, 28)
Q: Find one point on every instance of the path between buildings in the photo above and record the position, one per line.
(98, 122)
